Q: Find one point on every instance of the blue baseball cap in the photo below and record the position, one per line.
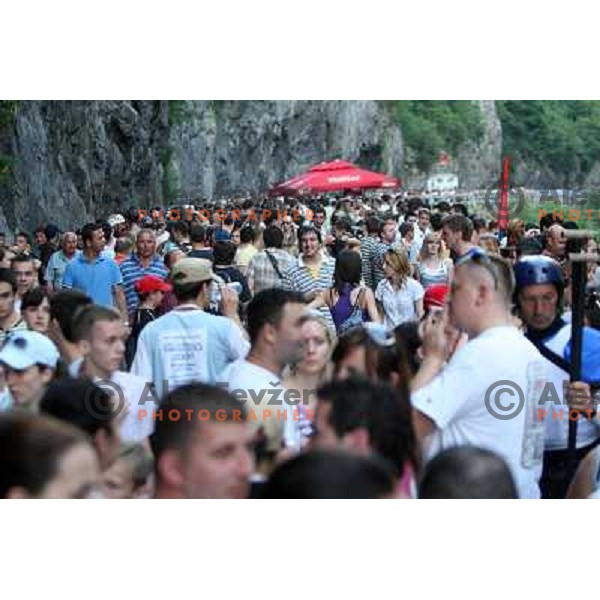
(23, 349)
(222, 236)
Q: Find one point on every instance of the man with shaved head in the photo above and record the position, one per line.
(484, 393)
(59, 260)
(556, 243)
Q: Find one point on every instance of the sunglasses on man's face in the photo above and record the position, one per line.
(480, 258)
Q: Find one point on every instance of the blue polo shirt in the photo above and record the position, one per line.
(96, 278)
(132, 271)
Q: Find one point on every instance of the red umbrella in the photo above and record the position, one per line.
(333, 176)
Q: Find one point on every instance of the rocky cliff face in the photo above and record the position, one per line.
(72, 161)
(478, 163)
(230, 147)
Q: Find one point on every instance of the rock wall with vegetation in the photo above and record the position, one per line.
(68, 162)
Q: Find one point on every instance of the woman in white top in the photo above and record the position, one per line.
(432, 267)
(400, 297)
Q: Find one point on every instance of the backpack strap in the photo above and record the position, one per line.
(274, 263)
(358, 300)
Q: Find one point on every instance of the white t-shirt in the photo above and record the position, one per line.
(187, 345)
(456, 402)
(136, 406)
(399, 305)
(262, 392)
(138, 421)
(419, 237)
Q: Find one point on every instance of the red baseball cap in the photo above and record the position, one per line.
(435, 296)
(151, 283)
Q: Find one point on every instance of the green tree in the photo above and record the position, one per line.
(430, 126)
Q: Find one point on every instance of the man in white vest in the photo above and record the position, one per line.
(539, 297)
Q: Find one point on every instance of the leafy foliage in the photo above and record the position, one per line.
(8, 111)
(431, 126)
(563, 136)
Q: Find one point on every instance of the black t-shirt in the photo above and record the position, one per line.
(141, 318)
(206, 253)
(231, 274)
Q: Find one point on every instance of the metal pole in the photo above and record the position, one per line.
(578, 277)
(503, 208)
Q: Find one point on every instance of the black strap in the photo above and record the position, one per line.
(223, 275)
(554, 358)
(357, 301)
(274, 263)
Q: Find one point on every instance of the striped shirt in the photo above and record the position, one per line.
(368, 251)
(263, 274)
(300, 278)
(132, 271)
(433, 276)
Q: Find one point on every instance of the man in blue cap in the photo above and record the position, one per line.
(539, 299)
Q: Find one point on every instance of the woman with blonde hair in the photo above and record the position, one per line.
(290, 236)
(489, 242)
(399, 296)
(432, 267)
(314, 369)
(514, 232)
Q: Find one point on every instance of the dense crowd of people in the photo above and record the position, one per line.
(314, 347)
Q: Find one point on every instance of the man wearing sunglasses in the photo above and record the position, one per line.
(484, 395)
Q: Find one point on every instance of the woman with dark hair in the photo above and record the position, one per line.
(349, 302)
(372, 352)
(45, 458)
(35, 308)
(331, 474)
(409, 345)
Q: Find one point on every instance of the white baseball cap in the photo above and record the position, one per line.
(23, 349)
